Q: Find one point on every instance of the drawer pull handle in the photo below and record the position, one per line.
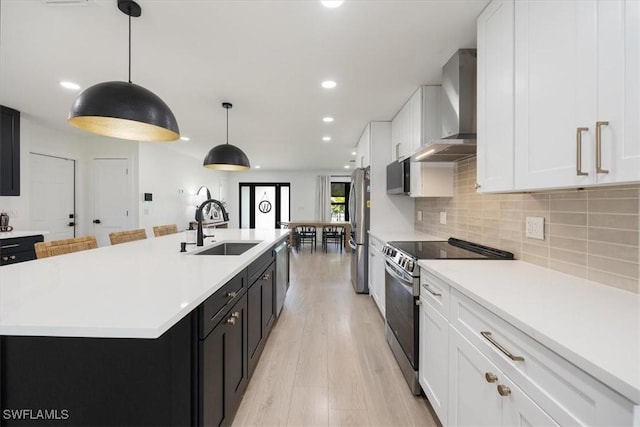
(490, 377)
(503, 390)
(506, 352)
(432, 292)
(12, 257)
(599, 147)
(10, 246)
(5, 258)
(265, 277)
(579, 171)
(232, 294)
(231, 320)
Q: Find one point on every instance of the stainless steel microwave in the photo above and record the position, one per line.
(399, 177)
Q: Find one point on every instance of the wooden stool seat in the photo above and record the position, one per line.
(65, 246)
(127, 236)
(163, 230)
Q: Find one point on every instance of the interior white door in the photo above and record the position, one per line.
(111, 192)
(52, 196)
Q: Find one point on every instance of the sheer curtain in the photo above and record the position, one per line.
(323, 201)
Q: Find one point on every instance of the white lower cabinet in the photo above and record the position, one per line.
(434, 356)
(376, 273)
(480, 394)
(476, 369)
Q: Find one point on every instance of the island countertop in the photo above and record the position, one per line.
(132, 290)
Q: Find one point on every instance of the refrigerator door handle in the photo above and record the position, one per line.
(352, 244)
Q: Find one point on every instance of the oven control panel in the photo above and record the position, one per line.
(399, 258)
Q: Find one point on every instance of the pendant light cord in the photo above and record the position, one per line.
(227, 126)
(129, 44)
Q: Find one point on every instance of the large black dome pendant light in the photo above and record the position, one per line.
(226, 157)
(123, 109)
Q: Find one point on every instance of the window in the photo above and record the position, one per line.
(340, 201)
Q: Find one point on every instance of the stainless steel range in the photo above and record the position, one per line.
(402, 287)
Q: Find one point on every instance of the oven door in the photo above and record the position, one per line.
(401, 310)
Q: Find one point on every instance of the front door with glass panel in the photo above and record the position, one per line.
(264, 205)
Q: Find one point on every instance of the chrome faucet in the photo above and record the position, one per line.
(200, 234)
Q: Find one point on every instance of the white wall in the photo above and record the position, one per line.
(173, 179)
(37, 138)
(303, 191)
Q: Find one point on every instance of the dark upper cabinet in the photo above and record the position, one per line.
(9, 152)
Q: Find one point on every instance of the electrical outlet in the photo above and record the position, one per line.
(443, 217)
(535, 227)
(420, 216)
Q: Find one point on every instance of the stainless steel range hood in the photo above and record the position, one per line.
(458, 109)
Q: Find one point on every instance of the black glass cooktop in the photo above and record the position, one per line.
(451, 249)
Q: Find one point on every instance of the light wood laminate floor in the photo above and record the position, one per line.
(326, 361)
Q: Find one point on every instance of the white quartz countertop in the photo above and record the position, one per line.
(14, 234)
(595, 327)
(132, 290)
(403, 236)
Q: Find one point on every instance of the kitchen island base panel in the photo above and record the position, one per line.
(101, 381)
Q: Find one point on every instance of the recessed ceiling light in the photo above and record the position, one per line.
(329, 84)
(332, 4)
(353, 153)
(185, 138)
(346, 166)
(326, 138)
(327, 119)
(70, 85)
(257, 166)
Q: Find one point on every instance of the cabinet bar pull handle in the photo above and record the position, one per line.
(265, 277)
(599, 147)
(490, 377)
(506, 352)
(231, 320)
(503, 390)
(232, 294)
(9, 246)
(428, 289)
(579, 151)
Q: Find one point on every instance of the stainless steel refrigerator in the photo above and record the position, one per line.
(359, 239)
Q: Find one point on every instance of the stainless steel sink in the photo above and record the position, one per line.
(228, 248)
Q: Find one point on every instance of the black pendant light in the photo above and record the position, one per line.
(123, 109)
(226, 157)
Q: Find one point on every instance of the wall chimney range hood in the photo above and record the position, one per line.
(458, 109)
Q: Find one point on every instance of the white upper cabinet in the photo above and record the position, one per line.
(417, 123)
(560, 80)
(618, 92)
(495, 97)
(363, 149)
(556, 92)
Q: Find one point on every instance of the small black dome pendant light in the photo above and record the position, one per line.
(226, 157)
(123, 109)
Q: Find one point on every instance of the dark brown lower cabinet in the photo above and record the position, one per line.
(195, 374)
(223, 367)
(261, 311)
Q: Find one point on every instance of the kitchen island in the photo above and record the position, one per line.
(135, 334)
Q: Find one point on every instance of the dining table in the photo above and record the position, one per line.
(318, 224)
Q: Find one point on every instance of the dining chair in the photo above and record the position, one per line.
(65, 246)
(163, 230)
(305, 234)
(127, 236)
(332, 234)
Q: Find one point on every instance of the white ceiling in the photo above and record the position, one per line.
(266, 57)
